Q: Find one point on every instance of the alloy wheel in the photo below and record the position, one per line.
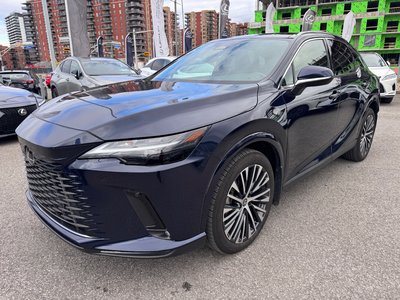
(246, 202)
(367, 135)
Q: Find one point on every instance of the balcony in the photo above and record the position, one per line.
(390, 43)
(134, 4)
(107, 20)
(394, 10)
(135, 18)
(135, 11)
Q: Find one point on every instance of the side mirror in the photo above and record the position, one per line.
(77, 74)
(312, 76)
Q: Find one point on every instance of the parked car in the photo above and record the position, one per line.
(387, 77)
(201, 150)
(15, 105)
(21, 79)
(155, 65)
(79, 74)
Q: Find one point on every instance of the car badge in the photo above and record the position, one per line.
(22, 112)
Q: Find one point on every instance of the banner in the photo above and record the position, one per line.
(160, 41)
(308, 20)
(100, 48)
(223, 19)
(129, 49)
(187, 39)
(77, 27)
(269, 18)
(348, 26)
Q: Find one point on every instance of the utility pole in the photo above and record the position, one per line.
(49, 35)
(135, 46)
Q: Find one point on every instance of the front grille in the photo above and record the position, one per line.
(60, 194)
(10, 118)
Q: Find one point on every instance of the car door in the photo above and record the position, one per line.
(61, 78)
(74, 82)
(353, 91)
(311, 112)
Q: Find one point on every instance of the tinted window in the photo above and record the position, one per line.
(312, 53)
(344, 60)
(75, 67)
(234, 60)
(66, 66)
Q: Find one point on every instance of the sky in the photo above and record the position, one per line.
(240, 11)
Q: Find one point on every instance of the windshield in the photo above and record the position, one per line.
(234, 60)
(373, 60)
(106, 67)
(16, 76)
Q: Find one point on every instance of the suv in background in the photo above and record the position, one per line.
(79, 74)
(21, 79)
(387, 77)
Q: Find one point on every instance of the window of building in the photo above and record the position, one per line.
(372, 24)
(284, 29)
(390, 43)
(322, 27)
(326, 12)
(392, 26)
(347, 8)
(303, 11)
(394, 7)
(286, 15)
(372, 6)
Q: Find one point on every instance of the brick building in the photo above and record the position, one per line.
(204, 26)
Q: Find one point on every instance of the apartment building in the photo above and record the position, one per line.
(377, 22)
(204, 26)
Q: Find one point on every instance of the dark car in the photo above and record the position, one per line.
(200, 150)
(21, 79)
(15, 106)
(79, 74)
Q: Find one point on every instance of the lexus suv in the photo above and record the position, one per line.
(199, 151)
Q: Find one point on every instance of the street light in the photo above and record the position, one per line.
(176, 24)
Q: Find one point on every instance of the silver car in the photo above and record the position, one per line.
(79, 74)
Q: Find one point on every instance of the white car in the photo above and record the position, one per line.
(155, 65)
(387, 77)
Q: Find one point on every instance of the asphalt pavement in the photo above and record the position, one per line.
(335, 235)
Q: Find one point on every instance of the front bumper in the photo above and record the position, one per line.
(145, 247)
(388, 88)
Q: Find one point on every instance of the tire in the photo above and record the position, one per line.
(244, 219)
(54, 93)
(387, 100)
(365, 138)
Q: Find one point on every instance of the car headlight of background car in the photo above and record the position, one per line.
(390, 76)
(152, 151)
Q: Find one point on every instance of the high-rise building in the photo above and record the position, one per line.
(377, 22)
(169, 24)
(111, 19)
(204, 26)
(16, 28)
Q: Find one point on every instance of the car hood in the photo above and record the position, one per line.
(381, 71)
(12, 97)
(144, 108)
(109, 79)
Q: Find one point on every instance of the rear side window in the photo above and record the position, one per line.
(66, 66)
(312, 53)
(344, 60)
(75, 68)
(159, 64)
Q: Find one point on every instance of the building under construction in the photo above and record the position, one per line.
(377, 22)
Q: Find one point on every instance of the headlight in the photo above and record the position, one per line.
(150, 151)
(388, 77)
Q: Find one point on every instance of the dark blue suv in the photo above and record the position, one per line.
(199, 151)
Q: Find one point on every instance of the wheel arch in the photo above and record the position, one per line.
(271, 143)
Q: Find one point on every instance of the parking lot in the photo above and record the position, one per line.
(336, 234)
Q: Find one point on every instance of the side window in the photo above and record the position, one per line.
(75, 68)
(288, 79)
(148, 65)
(344, 60)
(312, 53)
(66, 66)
